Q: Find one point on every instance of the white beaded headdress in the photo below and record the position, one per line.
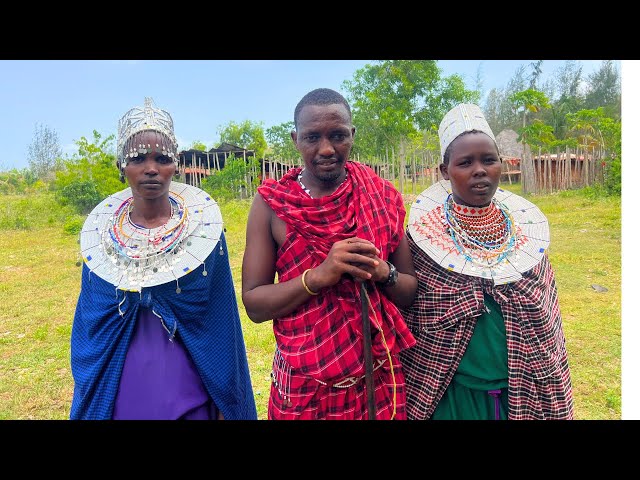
(461, 118)
(143, 119)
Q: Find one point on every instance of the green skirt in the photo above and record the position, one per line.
(478, 390)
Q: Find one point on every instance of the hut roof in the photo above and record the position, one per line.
(508, 145)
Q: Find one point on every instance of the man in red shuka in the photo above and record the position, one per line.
(325, 228)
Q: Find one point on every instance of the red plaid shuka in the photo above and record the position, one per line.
(442, 319)
(320, 344)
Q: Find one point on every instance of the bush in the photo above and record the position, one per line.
(231, 182)
(82, 195)
(73, 225)
(613, 177)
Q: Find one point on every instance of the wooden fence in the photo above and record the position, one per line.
(542, 173)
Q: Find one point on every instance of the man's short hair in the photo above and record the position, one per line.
(320, 96)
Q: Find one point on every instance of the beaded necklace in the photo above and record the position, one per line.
(308, 192)
(484, 236)
(136, 252)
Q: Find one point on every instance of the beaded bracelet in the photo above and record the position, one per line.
(304, 284)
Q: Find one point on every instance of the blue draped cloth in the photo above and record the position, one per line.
(204, 315)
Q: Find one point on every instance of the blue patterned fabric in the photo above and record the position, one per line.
(204, 315)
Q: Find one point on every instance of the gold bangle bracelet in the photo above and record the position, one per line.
(304, 284)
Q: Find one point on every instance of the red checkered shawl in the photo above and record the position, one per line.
(442, 319)
(323, 337)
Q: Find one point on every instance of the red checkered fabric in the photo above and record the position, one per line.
(442, 319)
(322, 339)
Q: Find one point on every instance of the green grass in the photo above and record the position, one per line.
(39, 285)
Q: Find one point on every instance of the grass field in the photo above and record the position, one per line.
(39, 285)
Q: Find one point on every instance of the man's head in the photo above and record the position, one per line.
(320, 96)
(145, 130)
(323, 134)
(470, 157)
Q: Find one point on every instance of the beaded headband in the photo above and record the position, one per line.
(143, 119)
(461, 118)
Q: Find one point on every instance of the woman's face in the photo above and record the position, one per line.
(149, 175)
(474, 169)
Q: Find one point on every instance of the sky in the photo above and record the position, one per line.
(76, 97)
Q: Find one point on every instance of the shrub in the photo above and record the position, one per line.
(82, 195)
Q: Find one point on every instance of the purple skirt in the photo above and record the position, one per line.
(159, 380)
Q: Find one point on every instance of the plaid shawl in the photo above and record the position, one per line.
(204, 315)
(323, 337)
(442, 319)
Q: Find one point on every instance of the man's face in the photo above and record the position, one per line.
(324, 138)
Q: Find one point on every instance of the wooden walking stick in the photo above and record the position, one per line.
(368, 354)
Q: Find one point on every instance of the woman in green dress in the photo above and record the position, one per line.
(490, 343)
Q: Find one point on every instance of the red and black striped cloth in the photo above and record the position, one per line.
(321, 341)
(442, 318)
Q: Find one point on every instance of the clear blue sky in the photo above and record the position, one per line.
(75, 97)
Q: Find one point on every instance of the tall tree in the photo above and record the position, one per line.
(604, 90)
(529, 101)
(536, 71)
(393, 99)
(501, 113)
(44, 151)
(568, 79)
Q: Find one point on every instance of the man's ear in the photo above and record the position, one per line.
(444, 170)
(294, 137)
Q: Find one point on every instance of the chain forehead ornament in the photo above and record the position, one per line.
(141, 119)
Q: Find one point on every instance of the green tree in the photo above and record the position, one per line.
(536, 71)
(529, 101)
(499, 110)
(393, 99)
(604, 90)
(198, 145)
(591, 126)
(247, 134)
(89, 175)
(565, 96)
(280, 143)
(538, 134)
(44, 152)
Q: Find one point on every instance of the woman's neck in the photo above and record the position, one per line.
(150, 213)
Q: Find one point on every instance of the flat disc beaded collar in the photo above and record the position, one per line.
(498, 242)
(132, 257)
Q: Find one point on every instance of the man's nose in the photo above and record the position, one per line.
(326, 147)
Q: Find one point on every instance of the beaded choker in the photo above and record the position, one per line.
(498, 242)
(484, 236)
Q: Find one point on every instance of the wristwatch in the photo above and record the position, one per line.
(392, 279)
